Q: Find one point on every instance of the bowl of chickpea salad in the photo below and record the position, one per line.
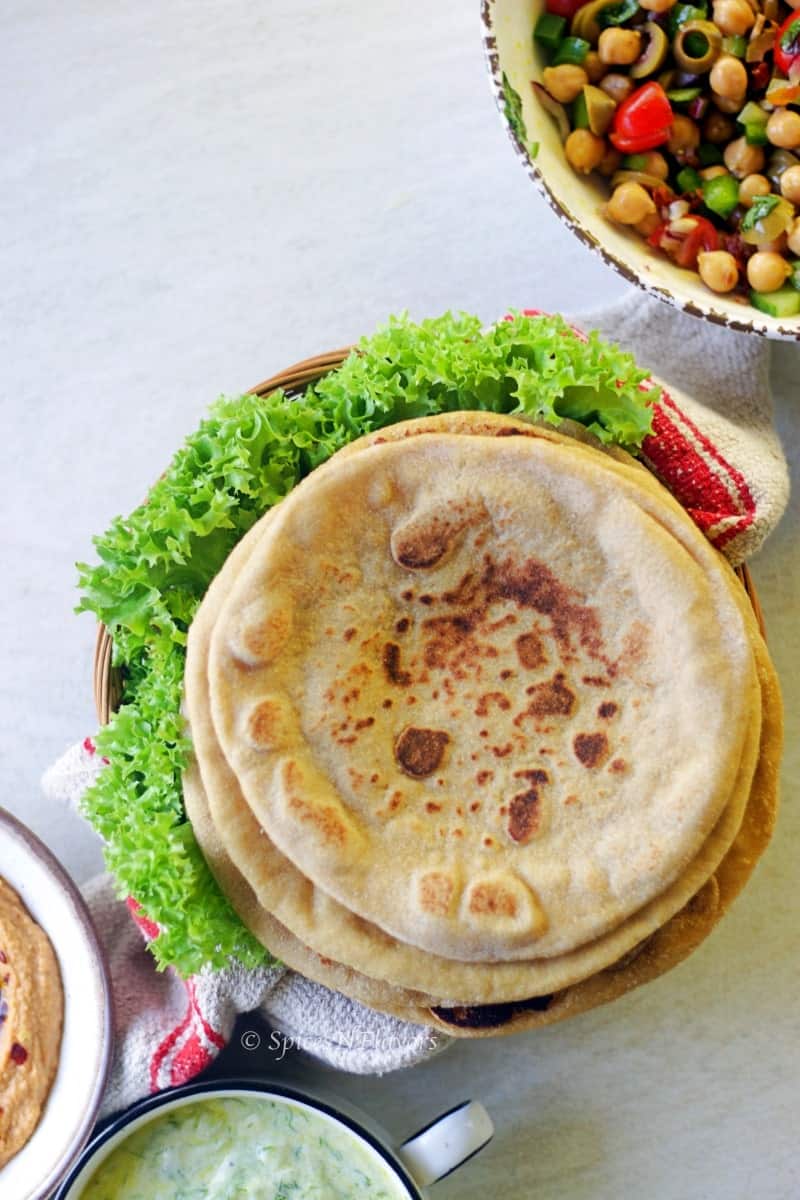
(667, 135)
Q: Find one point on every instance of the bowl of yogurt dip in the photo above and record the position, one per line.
(211, 1141)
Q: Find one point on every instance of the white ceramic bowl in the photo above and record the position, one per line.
(513, 57)
(56, 904)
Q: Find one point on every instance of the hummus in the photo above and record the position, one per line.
(31, 1016)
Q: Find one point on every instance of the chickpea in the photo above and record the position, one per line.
(618, 87)
(741, 159)
(584, 150)
(565, 83)
(594, 66)
(659, 6)
(793, 237)
(610, 161)
(655, 164)
(752, 186)
(727, 104)
(766, 272)
(648, 224)
(783, 129)
(790, 184)
(713, 172)
(733, 16)
(728, 77)
(718, 270)
(684, 135)
(629, 204)
(619, 46)
(718, 128)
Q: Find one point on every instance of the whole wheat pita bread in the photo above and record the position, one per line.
(379, 951)
(282, 657)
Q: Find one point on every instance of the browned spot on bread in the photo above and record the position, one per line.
(427, 599)
(364, 723)
(506, 673)
(408, 594)
(391, 665)
(349, 634)
(607, 710)
(419, 752)
(436, 893)
(264, 724)
(492, 898)
(524, 813)
(591, 749)
(432, 807)
(549, 699)
(387, 703)
(483, 777)
(618, 766)
(502, 751)
(530, 651)
(571, 799)
(475, 806)
(502, 702)
(402, 625)
(322, 817)
(421, 546)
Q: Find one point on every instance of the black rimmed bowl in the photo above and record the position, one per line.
(435, 1151)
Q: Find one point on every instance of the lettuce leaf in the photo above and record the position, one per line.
(155, 565)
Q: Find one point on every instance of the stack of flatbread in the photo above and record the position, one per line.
(485, 732)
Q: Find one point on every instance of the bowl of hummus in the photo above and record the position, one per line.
(55, 1017)
(213, 1140)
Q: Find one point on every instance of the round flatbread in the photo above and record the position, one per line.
(523, 655)
(333, 930)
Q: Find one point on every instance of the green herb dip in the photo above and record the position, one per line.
(237, 1149)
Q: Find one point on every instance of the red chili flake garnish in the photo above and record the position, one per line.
(3, 958)
(19, 1054)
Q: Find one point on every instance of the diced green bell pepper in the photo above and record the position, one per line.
(681, 13)
(783, 303)
(683, 95)
(794, 278)
(570, 50)
(549, 30)
(580, 113)
(721, 194)
(617, 14)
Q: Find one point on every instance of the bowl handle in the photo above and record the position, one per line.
(446, 1143)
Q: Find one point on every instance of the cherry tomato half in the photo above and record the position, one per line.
(685, 247)
(787, 46)
(564, 8)
(643, 121)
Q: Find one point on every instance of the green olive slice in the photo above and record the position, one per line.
(600, 109)
(682, 54)
(654, 53)
(584, 23)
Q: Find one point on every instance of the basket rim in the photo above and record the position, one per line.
(107, 679)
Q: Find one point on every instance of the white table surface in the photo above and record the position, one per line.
(197, 194)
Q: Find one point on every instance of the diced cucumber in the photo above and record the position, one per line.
(688, 180)
(721, 194)
(735, 45)
(752, 114)
(634, 162)
(783, 303)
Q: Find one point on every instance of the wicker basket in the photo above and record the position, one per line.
(107, 679)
